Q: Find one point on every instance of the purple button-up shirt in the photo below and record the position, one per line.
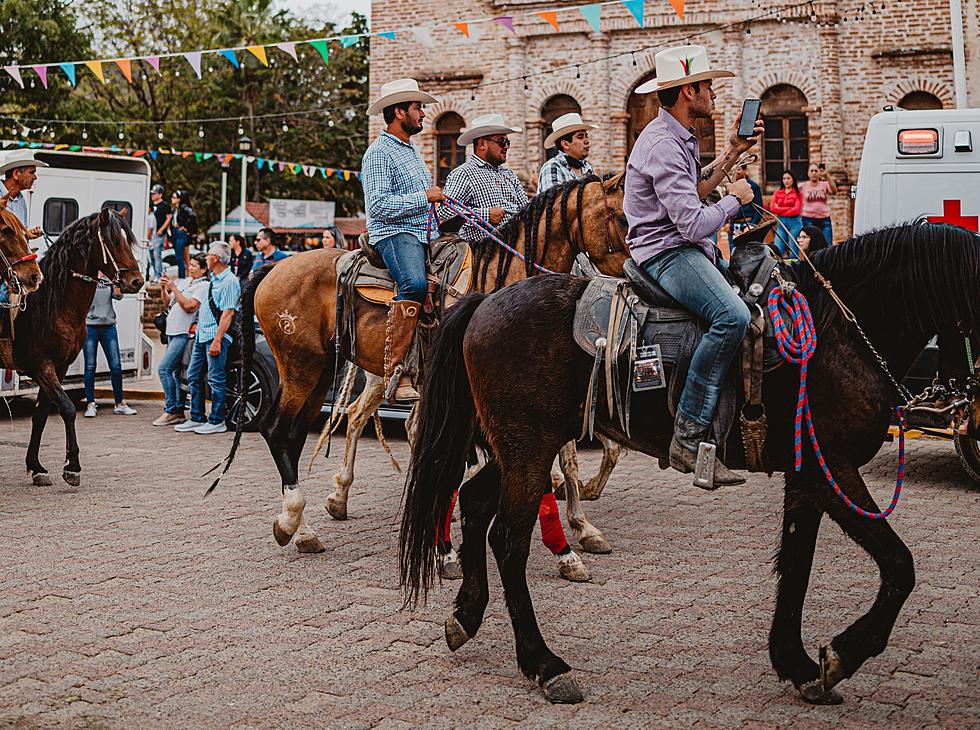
(661, 198)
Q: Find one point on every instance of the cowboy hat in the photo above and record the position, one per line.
(679, 66)
(397, 92)
(485, 126)
(20, 158)
(565, 124)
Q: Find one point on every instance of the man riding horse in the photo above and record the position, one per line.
(670, 230)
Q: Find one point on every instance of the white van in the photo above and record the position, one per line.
(75, 185)
(919, 165)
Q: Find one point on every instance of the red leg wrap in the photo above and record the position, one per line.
(552, 533)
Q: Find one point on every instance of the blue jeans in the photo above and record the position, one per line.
(156, 255)
(404, 256)
(180, 243)
(106, 335)
(690, 277)
(167, 370)
(202, 363)
(825, 226)
(795, 224)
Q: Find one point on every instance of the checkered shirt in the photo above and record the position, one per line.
(483, 186)
(557, 170)
(395, 179)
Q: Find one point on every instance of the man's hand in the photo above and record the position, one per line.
(434, 194)
(741, 190)
(496, 215)
(215, 348)
(744, 144)
(165, 281)
(34, 232)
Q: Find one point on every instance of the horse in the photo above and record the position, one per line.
(20, 271)
(51, 330)
(583, 215)
(903, 285)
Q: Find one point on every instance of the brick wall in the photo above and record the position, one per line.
(846, 70)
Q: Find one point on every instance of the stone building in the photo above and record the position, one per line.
(822, 70)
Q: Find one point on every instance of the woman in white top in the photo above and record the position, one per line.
(184, 296)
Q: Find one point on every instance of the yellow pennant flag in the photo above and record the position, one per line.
(96, 67)
(259, 53)
(126, 66)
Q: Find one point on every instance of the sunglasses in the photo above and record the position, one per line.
(503, 142)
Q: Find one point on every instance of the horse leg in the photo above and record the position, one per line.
(478, 499)
(39, 475)
(358, 415)
(510, 538)
(566, 471)
(611, 451)
(49, 382)
(587, 534)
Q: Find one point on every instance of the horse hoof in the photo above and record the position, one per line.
(282, 537)
(595, 544)
(456, 636)
(309, 544)
(42, 479)
(72, 478)
(336, 508)
(814, 693)
(574, 570)
(450, 568)
(562, 689)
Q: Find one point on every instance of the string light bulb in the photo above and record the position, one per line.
(285, 127)
(121, 133)
(578, 72)
(159, 133)
(633, 56)
(200, 132)
(84, 133)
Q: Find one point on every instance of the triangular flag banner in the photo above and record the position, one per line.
(323, 172)
(636, 8)
(154, 61)
(208, 155)
(126, 66)
(464, 28)
(153, 154)
(507, 21)
(281, 166)
(297, 168)
(678, 6)
(322, 48)
(423, 34)
(69, 69)
(194, 59)
(346, 174)
(230, 55)
(96, 68)
(259, 162)
(349, 40)
(592, 14)
(288, 48)
(42, 73)
(259, 53)
(390, 35)
(328, 171)
(197, 156)
(551, 17)
(185, 155)
(15, 74)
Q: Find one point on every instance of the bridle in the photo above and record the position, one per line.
(107, 258)
(610, 219)
(13, 283)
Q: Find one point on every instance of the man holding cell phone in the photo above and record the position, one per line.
(670, 230)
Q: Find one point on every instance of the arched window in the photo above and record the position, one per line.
(555, 107)
(920, 100)
(643, 108)
(786, 143)
(449, 155)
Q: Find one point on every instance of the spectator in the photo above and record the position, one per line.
(333, 237)
(811, 239)
(184, 297)
(786, 204)
(159, 220)
(816, 192)
(183, 229)
(269, 253)
(211, 344)
(241, 257)
(101, 329)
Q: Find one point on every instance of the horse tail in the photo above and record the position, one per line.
(245, 323)
(341, 405)
(445, 431)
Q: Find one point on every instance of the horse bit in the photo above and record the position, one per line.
(107, 257)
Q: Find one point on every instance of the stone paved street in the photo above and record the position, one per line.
(131, 602)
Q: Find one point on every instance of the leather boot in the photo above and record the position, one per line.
(402, 318)
(688, 434)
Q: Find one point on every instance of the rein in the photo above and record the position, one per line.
(107, 258)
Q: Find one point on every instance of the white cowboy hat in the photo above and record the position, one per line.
(398, 91)
(679, 66)
(485, 126)
(20, 158)
(565, 124)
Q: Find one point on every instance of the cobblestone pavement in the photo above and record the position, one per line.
(130, 601)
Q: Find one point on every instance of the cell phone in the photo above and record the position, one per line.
(750, 113)
(821, 166)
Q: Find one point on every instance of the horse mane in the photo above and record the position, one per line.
(13, 221)
(528, 220)
(936, 265)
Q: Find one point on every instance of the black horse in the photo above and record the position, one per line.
(904, 284)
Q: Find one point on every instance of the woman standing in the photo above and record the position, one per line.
(183, 228)
(241, 258)
(811, 239)
(184, 297)
(100, 328)
(816, 191)
(786, 205)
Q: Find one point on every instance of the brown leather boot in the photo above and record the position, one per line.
(402, 318)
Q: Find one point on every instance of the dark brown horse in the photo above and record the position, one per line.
(904, 284)
(51, 331)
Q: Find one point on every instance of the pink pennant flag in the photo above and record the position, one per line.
(42, 72)
(154, 61)
(288, 48)
(282, 166)
(507, 21)
(14, 72)
(194, 59)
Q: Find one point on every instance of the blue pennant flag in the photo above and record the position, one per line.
(230, 55)
(153, 154)
(69, 69)
(349, 40)
(390, 35)
(636, 9)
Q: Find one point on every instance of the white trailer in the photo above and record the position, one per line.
(75, 185)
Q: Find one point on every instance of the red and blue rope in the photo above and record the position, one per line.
(797, 344)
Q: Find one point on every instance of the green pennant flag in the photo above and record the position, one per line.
(322, 48)
(198, 156)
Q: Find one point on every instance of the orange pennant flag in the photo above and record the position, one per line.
(464, 28)
(678, 6)
(126, 66)
(259, 53)
(551, 16)
(96, 67)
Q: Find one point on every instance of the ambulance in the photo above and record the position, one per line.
(75, 185)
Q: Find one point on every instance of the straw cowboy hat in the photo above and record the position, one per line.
(565, 124)
(679, 66)
(397, 92)
(20, 158)
(485, 126)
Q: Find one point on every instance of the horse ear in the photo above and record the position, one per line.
(616, 181)
(104, 217)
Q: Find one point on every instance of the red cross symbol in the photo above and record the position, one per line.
(953, 216)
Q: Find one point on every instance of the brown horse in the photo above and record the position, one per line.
(295, 302)
(51, 331)
(903, 284)
(18, 266)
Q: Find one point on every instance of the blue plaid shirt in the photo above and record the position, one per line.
(227, 291)
(557, 171)
(395, 180)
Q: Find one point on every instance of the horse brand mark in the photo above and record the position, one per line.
(287, 322)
